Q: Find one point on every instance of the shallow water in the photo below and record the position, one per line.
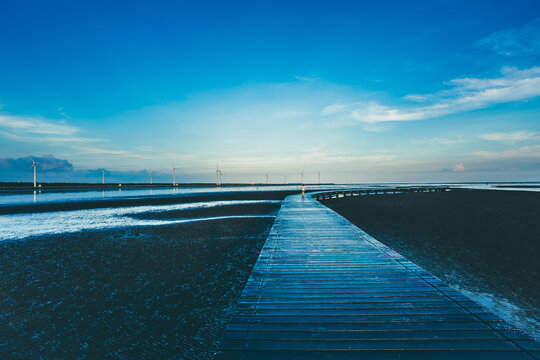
(18, 226)
(50, 196)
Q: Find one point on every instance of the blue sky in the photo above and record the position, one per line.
(362, 91)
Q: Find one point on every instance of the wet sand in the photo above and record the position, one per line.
(223, 210)
(155, 292)
(487, 242)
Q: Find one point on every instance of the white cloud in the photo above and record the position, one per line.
(71, 139)
(374, 113)
(459, 168)
(466, 94)
(459, 139)
(122, 153)
(10, 136)
(309, 158)
(44, 133)
(516, 42)
(510, 137)
(35, 125)
(416, 97)
(524, 152)
(36, 130)
(334, 108)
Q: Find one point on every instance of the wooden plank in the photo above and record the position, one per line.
(323, 288)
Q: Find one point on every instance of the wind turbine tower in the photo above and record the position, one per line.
(174, 176)
(103, 176)
(34, 165)
(284, 179)
(150, 176)
(319, 173)
(218, 175)
(266, 179)
(302, 177)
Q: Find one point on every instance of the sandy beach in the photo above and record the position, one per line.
(485, 242)
(153, 292)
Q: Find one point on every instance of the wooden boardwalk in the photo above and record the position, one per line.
(323, 289)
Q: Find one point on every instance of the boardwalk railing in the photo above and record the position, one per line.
(391, 190)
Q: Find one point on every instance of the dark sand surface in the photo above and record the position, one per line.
(156, 292)
(223, 210)
(481, 241)
(143, 200)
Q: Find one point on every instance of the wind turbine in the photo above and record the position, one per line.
(319, 173)
(34, 165)
(150, 176)
(173, 175)
(218, 175)
(284, 179)
(103, 176)
(266, 179)
(302, 177)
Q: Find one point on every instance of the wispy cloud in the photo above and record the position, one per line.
(34, 130)
(99, 150)
(35, 125)
(510, 136)
(38, 130)
(465, 94)
(281, 128)
(334, 108)
(450, 141)
(50, 140)
(521, 41)
(524, 152)
(313, 157)
(320, 155)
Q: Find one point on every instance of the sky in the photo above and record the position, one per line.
(362, 91)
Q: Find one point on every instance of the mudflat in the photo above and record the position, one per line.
(479, 240)
(154, 292)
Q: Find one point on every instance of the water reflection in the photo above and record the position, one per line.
(20, 197)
